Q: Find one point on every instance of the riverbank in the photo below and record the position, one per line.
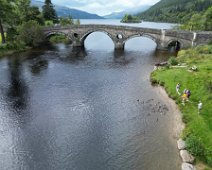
(196, 76)
(10, 52)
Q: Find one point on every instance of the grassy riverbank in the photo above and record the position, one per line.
(11, 47)
(198, 131)
(8, 49)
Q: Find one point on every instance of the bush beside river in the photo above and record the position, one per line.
(194, 72)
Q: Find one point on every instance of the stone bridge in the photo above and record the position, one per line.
(120, 34)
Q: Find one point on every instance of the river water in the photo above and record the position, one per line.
(93, 109)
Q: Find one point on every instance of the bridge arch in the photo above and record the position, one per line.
(85, 35)
(174, 43)
(143, 35)
(49, 34)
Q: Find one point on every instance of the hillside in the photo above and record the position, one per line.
(131, 11)
(65, 11)
(177, 11)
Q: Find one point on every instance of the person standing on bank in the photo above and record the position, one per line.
(178, 88)
(199, 106)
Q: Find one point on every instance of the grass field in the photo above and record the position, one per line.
(198, 131)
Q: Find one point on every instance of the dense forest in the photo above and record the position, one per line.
(21, 24)
(177, 11)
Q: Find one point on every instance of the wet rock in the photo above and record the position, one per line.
(186, 156)
(187, 166)
(181, 144)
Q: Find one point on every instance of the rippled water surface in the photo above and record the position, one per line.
(92, 109)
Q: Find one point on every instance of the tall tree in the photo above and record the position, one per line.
(5, 11)
(22, 10)
(35, 14)
(49, 12)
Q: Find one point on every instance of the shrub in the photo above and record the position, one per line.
(59, 38)
(209, 86)
(172, 61)
(194, 145)
(30, 33)
(49, 23)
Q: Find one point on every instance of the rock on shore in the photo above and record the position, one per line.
(187, 166)
(186, 156)
(181, 144)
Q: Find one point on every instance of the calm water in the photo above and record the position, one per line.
(85, 110)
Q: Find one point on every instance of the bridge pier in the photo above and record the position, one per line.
(77, 44)
(119, 46)
(161, 47)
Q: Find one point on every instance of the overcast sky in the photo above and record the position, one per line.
(103, 7)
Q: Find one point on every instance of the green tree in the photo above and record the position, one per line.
(130, 19)
(195, 23)
(35, 14)
(208, 19)
(30, 33)
(199, 21)
(6, 11)
(22, 10)
(66, 21)
(48, 11)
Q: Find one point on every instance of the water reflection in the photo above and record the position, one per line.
(121, 58)
(38, 64)
(17, 92)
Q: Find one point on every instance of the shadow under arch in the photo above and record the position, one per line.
(84, 37)
(174, 45)
(55, 33)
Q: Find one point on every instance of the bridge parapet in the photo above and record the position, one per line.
(203, 37)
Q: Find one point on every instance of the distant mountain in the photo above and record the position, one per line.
(177, 11)
(65, 11)
(132, 11)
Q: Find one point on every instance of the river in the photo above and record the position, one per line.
(86, 110)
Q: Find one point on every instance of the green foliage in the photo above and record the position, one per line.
(199, 21)
(198, 131)
(77, 22)
(208, 19)
(35, 14)
(11, 34)
(30, 33)
(10, 47)
(49, 23)
(48, 11)
(130, 19)
(59, 39)
(6, 13)
(66, 21)
(177, 11)
(172, 61)
(194, 145)
(14, 13)
(209, 86)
